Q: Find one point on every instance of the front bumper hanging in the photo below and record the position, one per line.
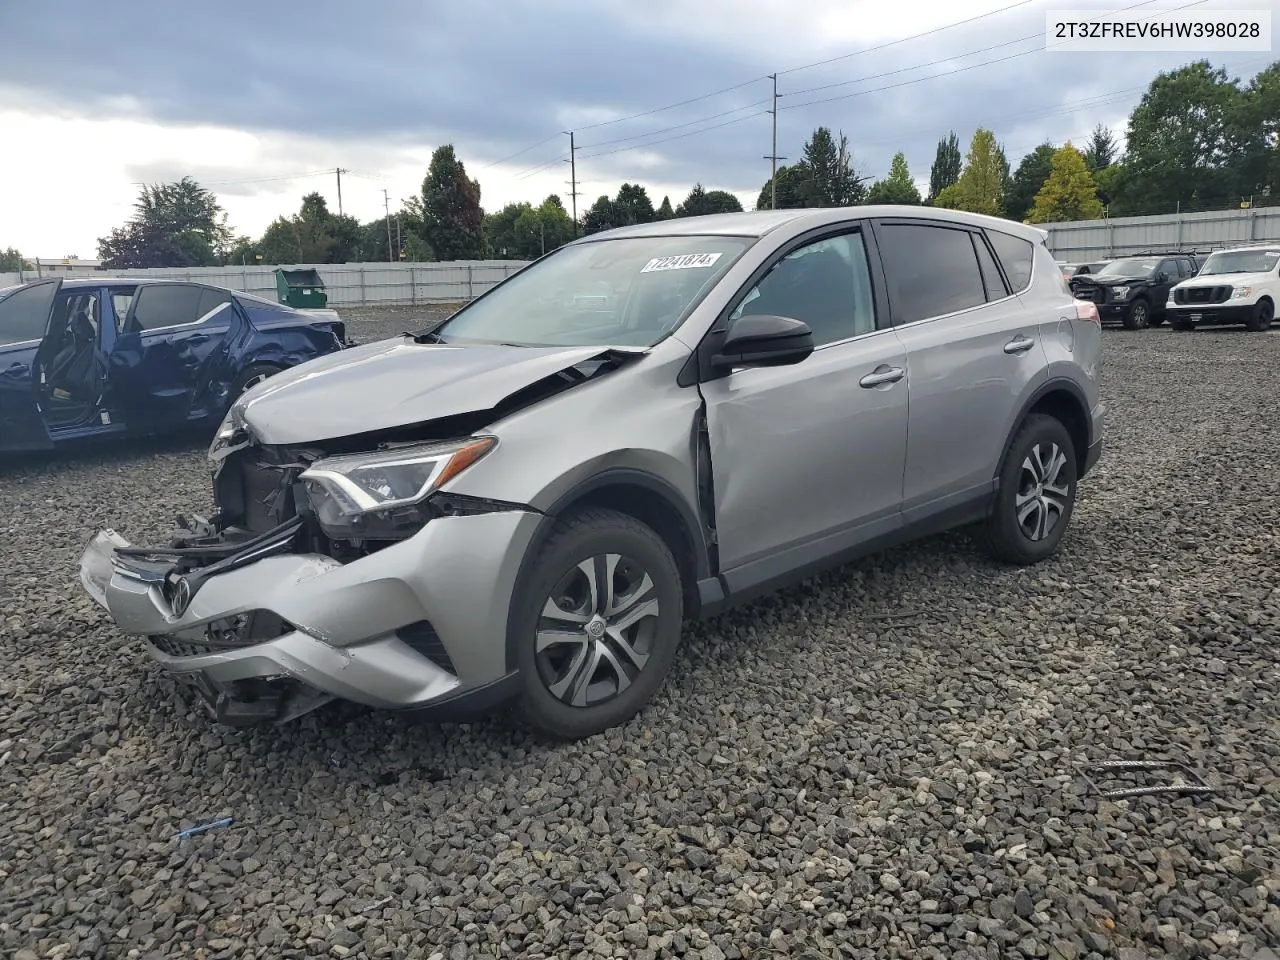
(262, 632)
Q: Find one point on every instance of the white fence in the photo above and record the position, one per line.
(347, 284)
(1213, 229)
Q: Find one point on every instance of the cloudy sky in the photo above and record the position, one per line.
(260, 101)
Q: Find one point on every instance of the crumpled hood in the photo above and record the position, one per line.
(393, 383)
(1094, 280)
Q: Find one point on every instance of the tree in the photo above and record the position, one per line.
(1027, 180)
(11, 261)
(599, 216)
(947, 164)
(1069, 192)
(632, 205)
(1101, 150)
(453, 222)
(830, 178)
(701, 202)
(177, 224)
(665, 212)
(980, 188)
(790, 180)
(501, 237)
(1258, 124)
(313, 235)
(1185, 143)
(897, 187)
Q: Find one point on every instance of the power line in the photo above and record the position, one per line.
(914, 36)
(972, 66)
(746, 83)
(678, 126)
(679, 136)
(672, 106)
(512, 156)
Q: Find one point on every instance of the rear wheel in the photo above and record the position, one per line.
(1263, 313)
(250, 377)
(596, 625)
(1037, 493)
(1138, 316)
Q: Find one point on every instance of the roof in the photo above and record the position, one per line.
(757, 223)
(1251, 247)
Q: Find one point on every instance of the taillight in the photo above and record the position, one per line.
(1085, 310)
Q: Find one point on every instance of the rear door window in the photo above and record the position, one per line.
(996, 288)
(160, 305)
(210, 300)
(931, 270)
(1016, 256)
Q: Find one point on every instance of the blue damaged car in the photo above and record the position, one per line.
(88, 357)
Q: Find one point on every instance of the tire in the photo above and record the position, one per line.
(250, 376)
(1138, 316)
(1264, 311)
(557, 697)
(1018, 542)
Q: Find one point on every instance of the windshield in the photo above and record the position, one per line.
(1240, 261)
(632, 291)
(1128, 268)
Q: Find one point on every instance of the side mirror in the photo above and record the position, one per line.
(1162, 277)
(763, 341)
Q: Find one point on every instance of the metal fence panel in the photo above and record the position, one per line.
(1212, 229)
(347, 284)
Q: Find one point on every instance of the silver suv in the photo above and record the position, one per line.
(649, 424)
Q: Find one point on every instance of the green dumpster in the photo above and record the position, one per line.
(301, 288)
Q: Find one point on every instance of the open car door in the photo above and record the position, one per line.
(24, 321)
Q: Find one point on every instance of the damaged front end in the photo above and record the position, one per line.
(332, 570)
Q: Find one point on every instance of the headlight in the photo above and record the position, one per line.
(230, 436)
(1238, 292)
(1120, 293)
(380, 495)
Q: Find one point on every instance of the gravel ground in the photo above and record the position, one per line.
(878, 763)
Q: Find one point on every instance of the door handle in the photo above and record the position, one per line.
(882, 375)
(1019, 344)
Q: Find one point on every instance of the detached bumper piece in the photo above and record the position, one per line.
(211, 618)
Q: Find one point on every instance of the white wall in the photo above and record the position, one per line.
(347, 284)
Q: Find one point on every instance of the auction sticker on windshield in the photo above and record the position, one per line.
(685, 261)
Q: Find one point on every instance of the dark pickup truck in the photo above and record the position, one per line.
(1134, 290)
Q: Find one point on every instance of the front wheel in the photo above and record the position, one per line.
(1037, 493)
(1138, 317)
(596, 625)
(1263, 313)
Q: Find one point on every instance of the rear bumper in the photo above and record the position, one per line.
(1211, 313)
(1094, 453)
(419, 624)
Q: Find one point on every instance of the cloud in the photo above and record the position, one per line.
(248, 96)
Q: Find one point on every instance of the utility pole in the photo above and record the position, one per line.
(386, 205)
(338, 171)
(573, 180)
(773, 157)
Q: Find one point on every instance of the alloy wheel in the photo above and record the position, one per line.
(596, 630)
(1042, 494)
(253, 382)
(1140, 318)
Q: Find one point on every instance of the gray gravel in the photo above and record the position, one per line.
(879, 763)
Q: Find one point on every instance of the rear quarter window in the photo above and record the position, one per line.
(1016, 256)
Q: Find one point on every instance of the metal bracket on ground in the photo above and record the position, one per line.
(1196, 784)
